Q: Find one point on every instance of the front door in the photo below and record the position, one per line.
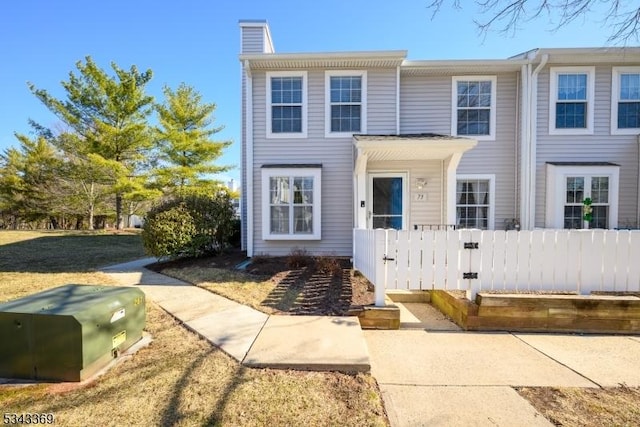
(387, 200)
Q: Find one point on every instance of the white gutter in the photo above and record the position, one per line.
(248, 167)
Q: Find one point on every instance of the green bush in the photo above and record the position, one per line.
(189, 226)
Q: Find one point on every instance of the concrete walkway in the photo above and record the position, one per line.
(253, 338)
(431, 378)
(430, 373)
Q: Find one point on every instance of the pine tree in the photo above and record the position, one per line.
(187, 150)
(109, 116)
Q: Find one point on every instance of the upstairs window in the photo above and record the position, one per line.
(346, 103)
(286, 105)
(474, 111)
(625, 100)
(571, 100)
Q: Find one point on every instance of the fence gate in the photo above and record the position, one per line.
(474, 260)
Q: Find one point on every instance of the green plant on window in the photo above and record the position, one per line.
(587, 210)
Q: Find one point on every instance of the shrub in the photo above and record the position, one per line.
(329, 265)
(299, 258)
(189, 226)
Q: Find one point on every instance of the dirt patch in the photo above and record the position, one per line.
(586, 406)
(301, 284)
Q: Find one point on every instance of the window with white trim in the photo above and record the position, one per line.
(291, 203)
(625, 100)
(568, 186)
(286, 104)
(474, 106)
(346, 102)
(579, 188)
(571, 100)
(474, 201)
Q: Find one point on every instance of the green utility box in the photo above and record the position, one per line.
(70, 332)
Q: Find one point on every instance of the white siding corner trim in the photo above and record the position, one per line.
(327, 102)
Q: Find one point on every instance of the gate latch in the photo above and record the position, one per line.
(471, 245)
(469, 275)
(385, 258)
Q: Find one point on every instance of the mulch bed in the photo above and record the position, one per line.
(305, 285)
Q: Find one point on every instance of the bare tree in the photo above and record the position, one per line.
(622, 16)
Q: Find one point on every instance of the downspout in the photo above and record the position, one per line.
(398, 100)
(249, 157)
(638, 211)
(533, 140)
(516, 151)
(524, 145)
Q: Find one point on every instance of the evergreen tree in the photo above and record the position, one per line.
(109, 116)
(187, 150)
(29, 181)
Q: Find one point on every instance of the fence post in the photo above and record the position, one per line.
(380, 283)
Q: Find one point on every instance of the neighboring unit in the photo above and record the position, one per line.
(337, 141)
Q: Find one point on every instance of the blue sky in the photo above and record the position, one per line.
(197, 42)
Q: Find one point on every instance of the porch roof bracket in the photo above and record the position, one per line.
(361, 163)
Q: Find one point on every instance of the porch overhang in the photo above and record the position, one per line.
(411, 147)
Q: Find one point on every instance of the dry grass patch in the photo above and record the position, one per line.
(619, 406)
(18, 285)
(45, 252)
(238, 286)
(182, 380)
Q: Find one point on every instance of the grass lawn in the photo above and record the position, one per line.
(179, 379)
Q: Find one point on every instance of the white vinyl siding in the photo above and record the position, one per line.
(625, 101)
(252, 39)
(424, 204)
(602, 146)
(571, 100)
(336, 157)
(426, 107)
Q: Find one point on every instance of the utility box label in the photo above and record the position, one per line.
(119, 338)
(117, 315)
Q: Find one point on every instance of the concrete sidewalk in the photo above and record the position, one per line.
(436, 378)
(250, 336)
(430, 374)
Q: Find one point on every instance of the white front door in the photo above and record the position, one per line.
(387, 200)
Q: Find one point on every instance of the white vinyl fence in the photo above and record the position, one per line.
(475, 260)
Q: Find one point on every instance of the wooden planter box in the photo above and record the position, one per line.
(543, 313)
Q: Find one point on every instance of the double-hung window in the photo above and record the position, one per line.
(570, 184)
(286, 105)
(625, 100)
(291, 203)
(346, 103)
(474, 107)
(474, 201)
(571, 100)
(579, 188)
